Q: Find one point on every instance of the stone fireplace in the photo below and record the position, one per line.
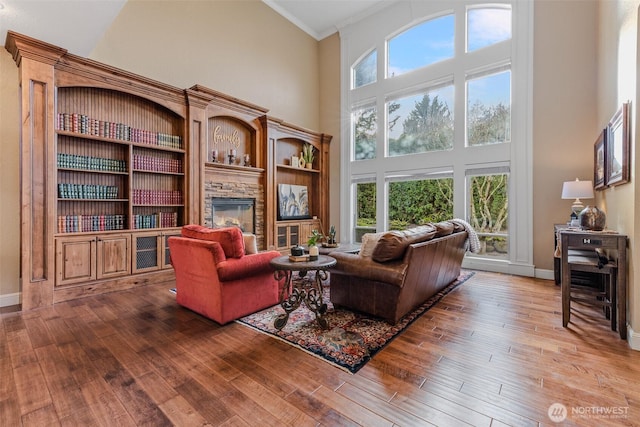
(234, 211)
(234, 184)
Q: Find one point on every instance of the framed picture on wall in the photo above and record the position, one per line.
(618, 145)
(293, 202)
(600, 161)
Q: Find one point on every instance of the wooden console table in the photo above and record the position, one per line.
(582, 240)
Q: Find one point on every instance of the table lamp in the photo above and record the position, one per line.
(577, 190)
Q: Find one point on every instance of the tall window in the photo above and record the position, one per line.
(420, 201)
(421, 122)
(488, 212)
(421, 45)
(365, 207)
(365, 130)
(432, 116)
(365, 71)
(489, 109)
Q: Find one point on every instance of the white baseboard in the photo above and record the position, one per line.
(9, 299)
(544, 274)
(498, 266)
(633, 338)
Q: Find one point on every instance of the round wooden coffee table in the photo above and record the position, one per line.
(305, 290)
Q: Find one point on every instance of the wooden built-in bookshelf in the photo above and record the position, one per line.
(113, 164)
(105, 162)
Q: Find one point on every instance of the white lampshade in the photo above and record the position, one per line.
(577, 190)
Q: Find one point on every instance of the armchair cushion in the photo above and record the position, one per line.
(250, 265)
(230, 238)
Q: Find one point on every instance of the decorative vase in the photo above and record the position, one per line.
(592, 218)
(313, 253)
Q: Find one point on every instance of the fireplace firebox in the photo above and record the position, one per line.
(231, 211)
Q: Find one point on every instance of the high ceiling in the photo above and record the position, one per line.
(78, 25)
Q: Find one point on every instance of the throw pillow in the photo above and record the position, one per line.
(369, 242)
(250, 243)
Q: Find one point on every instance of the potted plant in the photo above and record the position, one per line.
(308, 155)
(331, 241)
(312, 243)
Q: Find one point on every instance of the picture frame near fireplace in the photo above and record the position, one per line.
(293, 202)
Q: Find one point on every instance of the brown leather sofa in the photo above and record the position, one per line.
(397, 271)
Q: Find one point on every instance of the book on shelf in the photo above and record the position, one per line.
(88, 223)
(83, 124)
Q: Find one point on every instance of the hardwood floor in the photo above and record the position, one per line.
(491, 353)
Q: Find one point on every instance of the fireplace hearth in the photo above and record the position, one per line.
(232, 211)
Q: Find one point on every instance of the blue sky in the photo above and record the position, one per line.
(433, 41)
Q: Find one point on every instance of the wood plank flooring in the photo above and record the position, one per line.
(491, 353)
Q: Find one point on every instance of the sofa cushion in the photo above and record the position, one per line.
(369, 242)
(444, 228)
(230, 238)
(393, 244)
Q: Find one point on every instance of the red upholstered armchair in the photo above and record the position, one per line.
(216, 278)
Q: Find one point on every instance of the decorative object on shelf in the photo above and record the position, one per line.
(618, 143)
(312, 243)
(600, 161)
(592, 218)
(214, 156)
(308, 155)
(247, 160)
(293, 202)
(232, 156)
(301, 162)
(294, 161)
(577, 190)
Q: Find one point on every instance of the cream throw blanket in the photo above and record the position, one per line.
(472, 239)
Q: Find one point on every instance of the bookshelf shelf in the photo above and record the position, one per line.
(302, 170)
(93, 171)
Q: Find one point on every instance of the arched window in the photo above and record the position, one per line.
(432, 131)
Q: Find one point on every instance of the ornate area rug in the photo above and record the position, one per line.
(351, 340)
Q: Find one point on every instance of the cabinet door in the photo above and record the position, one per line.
(75, 260)
(148, 252)
(166, 260)
(306, 228)
(114, 254)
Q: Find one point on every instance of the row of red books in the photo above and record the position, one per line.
(156, 164)
(157, 197)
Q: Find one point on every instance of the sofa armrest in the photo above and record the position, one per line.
(248, 265)
(365, 268)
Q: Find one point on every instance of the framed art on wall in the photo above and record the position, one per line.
(600, 161)
(618, 145)
(293, 202)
